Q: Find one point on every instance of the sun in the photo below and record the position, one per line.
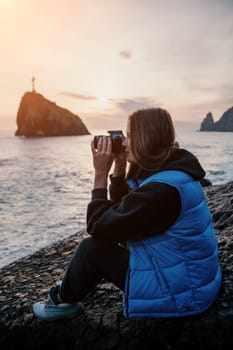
(102, 101)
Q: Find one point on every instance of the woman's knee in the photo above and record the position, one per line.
(85, 242)
(95, 249)
(89, 245)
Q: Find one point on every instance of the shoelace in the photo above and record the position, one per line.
(53, 295)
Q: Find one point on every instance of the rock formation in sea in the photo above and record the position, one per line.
(37, 116)
(225, 123)
(207, 123)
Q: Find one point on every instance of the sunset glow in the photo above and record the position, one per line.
(99, 57)
(102, 101)
(4, 4)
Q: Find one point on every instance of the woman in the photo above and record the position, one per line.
(171, 268)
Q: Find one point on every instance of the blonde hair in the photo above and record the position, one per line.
(152, 137)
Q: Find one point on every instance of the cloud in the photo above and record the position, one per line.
(131, 105)
(220, 99)
(127, 105)
(125, 54)
(79, 96)
(220, 93)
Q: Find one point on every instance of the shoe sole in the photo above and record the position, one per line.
(78, 312)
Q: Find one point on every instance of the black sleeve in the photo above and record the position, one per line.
(146, 211)
(118, 188)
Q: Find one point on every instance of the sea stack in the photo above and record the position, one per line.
(39, 117)
(225, 123)
(207, 123)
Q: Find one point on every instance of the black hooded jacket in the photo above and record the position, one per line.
(137, 214)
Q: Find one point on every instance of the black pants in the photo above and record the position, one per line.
(92, 261)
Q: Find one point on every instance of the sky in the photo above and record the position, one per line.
(104, 59)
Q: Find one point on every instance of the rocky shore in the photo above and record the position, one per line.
(101, 326)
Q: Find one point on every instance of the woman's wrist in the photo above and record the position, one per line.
(100, 180)
(119, 169)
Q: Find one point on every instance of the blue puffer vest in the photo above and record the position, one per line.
(176, 273)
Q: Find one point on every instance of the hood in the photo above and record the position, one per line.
(180, 159)
(184, 160)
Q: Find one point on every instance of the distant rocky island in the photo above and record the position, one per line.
(39, 117)
(225, 123)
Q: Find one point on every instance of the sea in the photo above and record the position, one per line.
(46, 183)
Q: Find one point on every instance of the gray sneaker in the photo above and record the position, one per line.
(52, 312)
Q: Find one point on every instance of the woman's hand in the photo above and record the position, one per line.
(102, 160)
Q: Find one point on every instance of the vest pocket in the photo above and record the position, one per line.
(160, 278)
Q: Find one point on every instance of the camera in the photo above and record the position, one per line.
(117, 137)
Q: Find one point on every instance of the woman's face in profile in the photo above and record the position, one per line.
(127, 144)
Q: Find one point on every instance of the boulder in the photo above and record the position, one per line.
(225, 123)
(37, 116)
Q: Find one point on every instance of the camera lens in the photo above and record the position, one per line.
(117, 138)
